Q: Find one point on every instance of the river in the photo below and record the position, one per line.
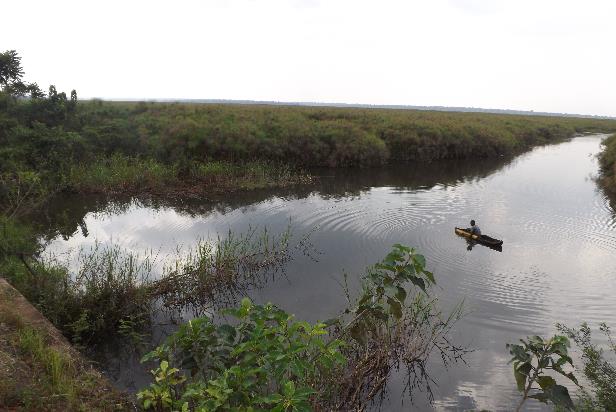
(558, 261)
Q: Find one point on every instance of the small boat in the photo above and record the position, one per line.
(483, 239)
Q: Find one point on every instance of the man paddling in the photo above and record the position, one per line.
(475, 229)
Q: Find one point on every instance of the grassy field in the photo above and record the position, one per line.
(314, 136)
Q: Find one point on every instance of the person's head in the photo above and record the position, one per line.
(472, 223)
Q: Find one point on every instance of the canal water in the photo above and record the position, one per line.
(557, 264)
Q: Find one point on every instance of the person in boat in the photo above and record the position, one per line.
(474, 229)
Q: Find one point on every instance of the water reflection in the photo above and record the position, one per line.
(65, 214)
(558, 229)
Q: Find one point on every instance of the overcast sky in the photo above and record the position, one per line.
(556, 56)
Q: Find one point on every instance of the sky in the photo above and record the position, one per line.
(541, 55)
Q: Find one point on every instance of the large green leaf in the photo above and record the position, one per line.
(401, 294)
(420, 260)
(395, 308)
(419, 282)
(541, 397)
(546, 382)
(430, 277)
(521, 374)
(560, 396)
(518, 353)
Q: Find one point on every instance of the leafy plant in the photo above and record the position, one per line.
(530, 362)
(266, 360)
(384, 291)
(395, 325)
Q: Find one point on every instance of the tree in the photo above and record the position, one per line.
(11, 71)
(11, 74)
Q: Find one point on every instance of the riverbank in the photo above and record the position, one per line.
(196, 150)
(39, 370)
(607, 162)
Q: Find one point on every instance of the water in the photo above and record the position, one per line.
(557, 263)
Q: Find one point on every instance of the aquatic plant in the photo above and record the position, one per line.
(218, 273)
(267, 360)
(394, 322)
(532, 360)
(111, 293)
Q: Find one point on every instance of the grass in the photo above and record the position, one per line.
(88, 305)
(121, 174)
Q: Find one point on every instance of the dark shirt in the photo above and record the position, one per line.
(475, 230)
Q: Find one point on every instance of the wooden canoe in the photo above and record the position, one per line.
(483, 239)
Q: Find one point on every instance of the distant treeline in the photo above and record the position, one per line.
(312, 136)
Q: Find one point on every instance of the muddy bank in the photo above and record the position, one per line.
(40, 370)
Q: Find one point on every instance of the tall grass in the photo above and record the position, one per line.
(216, 274)
(87, 305)
(126, 175)
(113, 293)
(120, 173)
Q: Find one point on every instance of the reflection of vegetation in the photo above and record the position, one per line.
(536, 356)
(63, 215)
(268, 360)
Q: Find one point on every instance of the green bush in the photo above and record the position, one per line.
(265, 361)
